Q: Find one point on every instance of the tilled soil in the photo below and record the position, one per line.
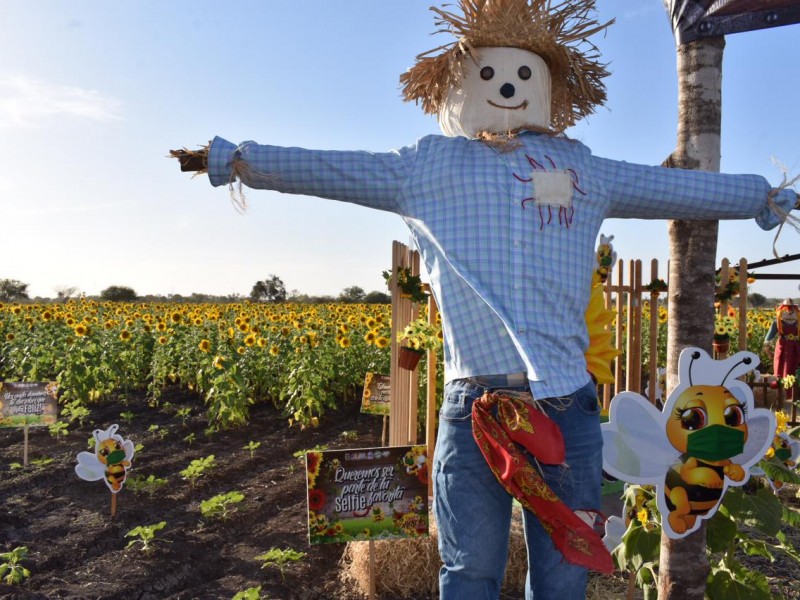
(78, 551)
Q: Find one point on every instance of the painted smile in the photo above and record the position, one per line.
(523, 105)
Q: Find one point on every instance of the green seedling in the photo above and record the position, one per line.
(349, 436)
(145, 485)
(58, 430)
(189, 439)
(252, 447)
(127, 416)
(198, 468)
(280, 559)
(220, 505)
(146, 536)
(183, 414)
(253, 593)
(42, 461)
(11, 571)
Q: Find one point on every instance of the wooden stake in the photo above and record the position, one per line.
(372, 570)
(113, 505)
(25, 446)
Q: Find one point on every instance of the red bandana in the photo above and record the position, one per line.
(520, 422)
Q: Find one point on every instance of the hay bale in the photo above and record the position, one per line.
(409, 568)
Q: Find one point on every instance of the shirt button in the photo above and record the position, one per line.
(521, 330)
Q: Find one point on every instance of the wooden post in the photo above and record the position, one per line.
(403, 399)
(652, 373)
(636, 293)
(618, 340)
(742, 304)
(372, 570)
(25, 446)
(723, 305)
(630, 330)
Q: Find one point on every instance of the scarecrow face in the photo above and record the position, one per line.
(502, 89)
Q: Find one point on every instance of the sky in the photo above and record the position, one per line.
(93, 95)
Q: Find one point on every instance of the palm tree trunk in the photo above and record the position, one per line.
(683, 566)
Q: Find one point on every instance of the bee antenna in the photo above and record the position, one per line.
(746, 360)
(695, 356)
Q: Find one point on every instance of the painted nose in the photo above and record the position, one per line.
(507, 91)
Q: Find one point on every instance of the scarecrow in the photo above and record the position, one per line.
(505, 210)
(784, 334)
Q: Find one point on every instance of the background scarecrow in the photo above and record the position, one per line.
(505, 211)
(784, 333)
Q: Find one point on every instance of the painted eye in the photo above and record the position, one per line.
(104, 451)
(487, 73)
(524, 73)
(693, 418)
(734, 416)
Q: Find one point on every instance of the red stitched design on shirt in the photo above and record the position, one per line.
(565, 217)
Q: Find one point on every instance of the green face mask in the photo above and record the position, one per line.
(783, 454)
(115, 457)
(715, 442)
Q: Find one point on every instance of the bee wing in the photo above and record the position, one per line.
(89, 468)
(129, 449)
(760, 433)
(635, 445)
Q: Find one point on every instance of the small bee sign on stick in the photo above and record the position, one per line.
(708, 437)
(110, 461)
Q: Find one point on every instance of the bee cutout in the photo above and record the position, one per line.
(786, 450)
(110, 461)
(707, 437)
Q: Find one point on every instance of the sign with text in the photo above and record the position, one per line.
(31, 404)
(366, 494)
(376, 397)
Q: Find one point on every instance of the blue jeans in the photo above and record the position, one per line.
(473, 511)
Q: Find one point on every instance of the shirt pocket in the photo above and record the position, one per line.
(552, 188)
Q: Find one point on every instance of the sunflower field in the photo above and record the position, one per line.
(758, 323)
(301, 357)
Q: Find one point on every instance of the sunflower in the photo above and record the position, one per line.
(219, 362)
(125, 335)
(344, 342)
(382, 341)
(274, 350)
(370, 337)
(162, 340)
(204, 345)
(250, 340)
(81, 330)
(10, 337)
(316, 499)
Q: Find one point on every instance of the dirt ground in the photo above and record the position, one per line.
(77, 551)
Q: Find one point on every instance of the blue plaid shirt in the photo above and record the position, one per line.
(511, 277)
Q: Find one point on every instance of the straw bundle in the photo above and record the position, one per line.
(409, 568)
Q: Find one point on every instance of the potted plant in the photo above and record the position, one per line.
(415, 339)
(724, 327)
(410, 286)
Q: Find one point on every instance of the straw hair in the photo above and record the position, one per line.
(556, 31)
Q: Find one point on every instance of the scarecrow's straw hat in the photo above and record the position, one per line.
(553, 30)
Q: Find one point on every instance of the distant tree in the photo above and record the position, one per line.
(13, 289)
(352, 295)
(376, 297)
(118, 293)
(756, 299)
(64, 293)
(271, 289)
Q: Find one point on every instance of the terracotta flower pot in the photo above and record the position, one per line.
(408, 358)
(721, 347)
